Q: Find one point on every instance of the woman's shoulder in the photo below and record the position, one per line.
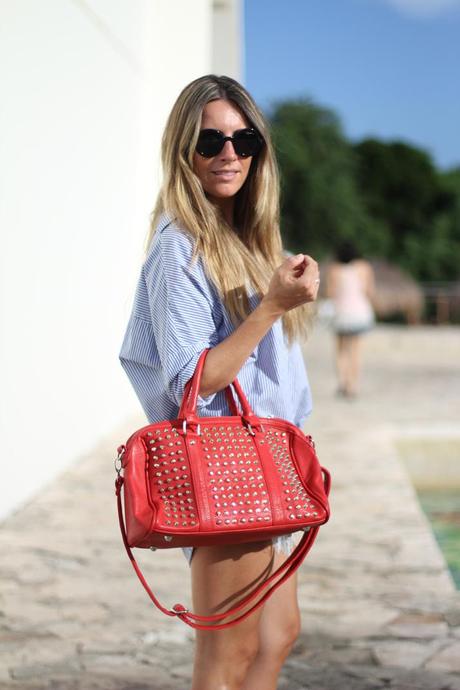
(363, 266)
(171, 242)
(172, 254)
(333, 268)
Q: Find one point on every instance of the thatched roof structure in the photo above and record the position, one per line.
(396, 292)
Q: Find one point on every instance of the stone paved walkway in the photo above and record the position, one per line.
(379, 608)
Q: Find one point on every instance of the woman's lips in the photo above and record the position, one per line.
(225, 174)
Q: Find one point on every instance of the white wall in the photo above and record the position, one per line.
(228, 32)
(85, 89)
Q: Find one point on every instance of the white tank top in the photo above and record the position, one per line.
(352, 306)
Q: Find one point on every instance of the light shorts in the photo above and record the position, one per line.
(347, 324)
(353, 330)
(283, 544)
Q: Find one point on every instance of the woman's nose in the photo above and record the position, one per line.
(228, 152)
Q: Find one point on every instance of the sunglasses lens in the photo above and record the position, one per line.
(247, 142)
(210, 143)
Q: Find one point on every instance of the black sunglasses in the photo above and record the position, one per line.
(246, 142)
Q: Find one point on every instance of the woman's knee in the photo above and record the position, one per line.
(278, 642)
(227, 662)
(243, 656)
(290, 631)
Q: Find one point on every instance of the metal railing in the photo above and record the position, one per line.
(442, 301)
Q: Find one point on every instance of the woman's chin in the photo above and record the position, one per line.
(223, 191)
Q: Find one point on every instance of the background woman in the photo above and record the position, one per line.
(350, 284)
(215, 277)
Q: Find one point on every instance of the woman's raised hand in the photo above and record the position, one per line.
(293, 283)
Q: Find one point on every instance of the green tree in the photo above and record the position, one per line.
(320, 203)
(413, 204)
(445, 244)
(387, 197)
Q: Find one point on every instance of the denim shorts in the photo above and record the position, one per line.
(283, 544)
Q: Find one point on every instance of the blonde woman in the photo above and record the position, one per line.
(215, 276)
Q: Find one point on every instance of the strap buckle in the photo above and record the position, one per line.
(178, 612)
(184, 428)
(251, 430)
(118, 463)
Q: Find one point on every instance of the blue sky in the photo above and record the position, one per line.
(389, 68)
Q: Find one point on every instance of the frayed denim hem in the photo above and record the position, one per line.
(283, 544)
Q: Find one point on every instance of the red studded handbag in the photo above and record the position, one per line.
(196, 481)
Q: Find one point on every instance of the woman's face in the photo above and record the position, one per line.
(223, 175)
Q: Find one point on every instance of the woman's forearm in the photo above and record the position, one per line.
(225, 360)
(293, 283)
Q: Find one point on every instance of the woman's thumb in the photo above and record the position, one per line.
(296, 259)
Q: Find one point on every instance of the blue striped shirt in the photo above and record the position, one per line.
(176, 314)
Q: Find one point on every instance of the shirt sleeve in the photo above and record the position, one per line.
(301, 387)
(183, 308)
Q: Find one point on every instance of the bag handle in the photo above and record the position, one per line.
(214, 622)
(192, 387)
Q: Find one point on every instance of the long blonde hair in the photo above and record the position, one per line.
(237, 261)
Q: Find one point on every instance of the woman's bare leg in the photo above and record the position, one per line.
(222, 575)
(354, 366)
(348, 358)
(341, 362)
(279, 626)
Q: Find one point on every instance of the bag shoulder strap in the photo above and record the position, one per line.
(215, 622)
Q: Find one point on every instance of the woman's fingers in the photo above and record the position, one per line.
(295, 282)
(312, 270)
(299, 264)
(310, 277)
(295, 260)
(310, 263)
(293, 265)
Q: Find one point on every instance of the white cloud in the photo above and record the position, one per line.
(424, 8)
